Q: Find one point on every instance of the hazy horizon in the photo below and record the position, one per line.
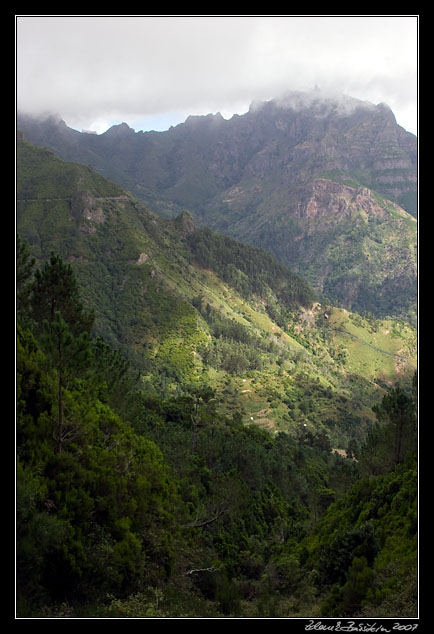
(154, 71)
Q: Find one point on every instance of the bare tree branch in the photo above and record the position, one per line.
(197, 524)
(194, 570)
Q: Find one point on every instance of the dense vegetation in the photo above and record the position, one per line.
(134, 502)
(250, 270)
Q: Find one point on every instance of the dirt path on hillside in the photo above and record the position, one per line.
(389, 354)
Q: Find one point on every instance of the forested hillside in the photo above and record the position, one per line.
(186, 305)
(197, 435)
(132, 505)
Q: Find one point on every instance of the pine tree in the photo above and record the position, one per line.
(63, 328)
(69, 356)
(397, 411)
(394, 435)
(55, 289)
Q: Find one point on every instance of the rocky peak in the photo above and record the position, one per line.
(194, 120)
(185, 224)
(119, 130)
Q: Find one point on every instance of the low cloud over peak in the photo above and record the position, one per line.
(156, 70)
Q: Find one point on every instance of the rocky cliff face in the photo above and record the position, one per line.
(327, 203)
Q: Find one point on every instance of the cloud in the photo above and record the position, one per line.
(106, 69)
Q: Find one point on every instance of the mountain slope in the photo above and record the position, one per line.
(189, 306)
(352, 246)
(297, 137)
(327, 185)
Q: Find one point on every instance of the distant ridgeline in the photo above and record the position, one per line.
(328, 186)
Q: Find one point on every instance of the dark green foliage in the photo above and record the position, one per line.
(24, 280)
(105, 502)
(394, 436)
(55, 290)
(366, 545)
(139, 504)
(95, 503)
(235, 349)
(115, 380)
(232, 356)
(248, 269)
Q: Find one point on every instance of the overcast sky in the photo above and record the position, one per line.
(153, 71)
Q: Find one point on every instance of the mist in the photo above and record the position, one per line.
(154, 71)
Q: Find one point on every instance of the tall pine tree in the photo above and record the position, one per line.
(55, 289)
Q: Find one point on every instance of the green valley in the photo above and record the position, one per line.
(199, 433)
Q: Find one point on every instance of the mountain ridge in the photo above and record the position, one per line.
(246, 177)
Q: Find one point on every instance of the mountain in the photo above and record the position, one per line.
(185, 303)
(328, 186)
(256, 459)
